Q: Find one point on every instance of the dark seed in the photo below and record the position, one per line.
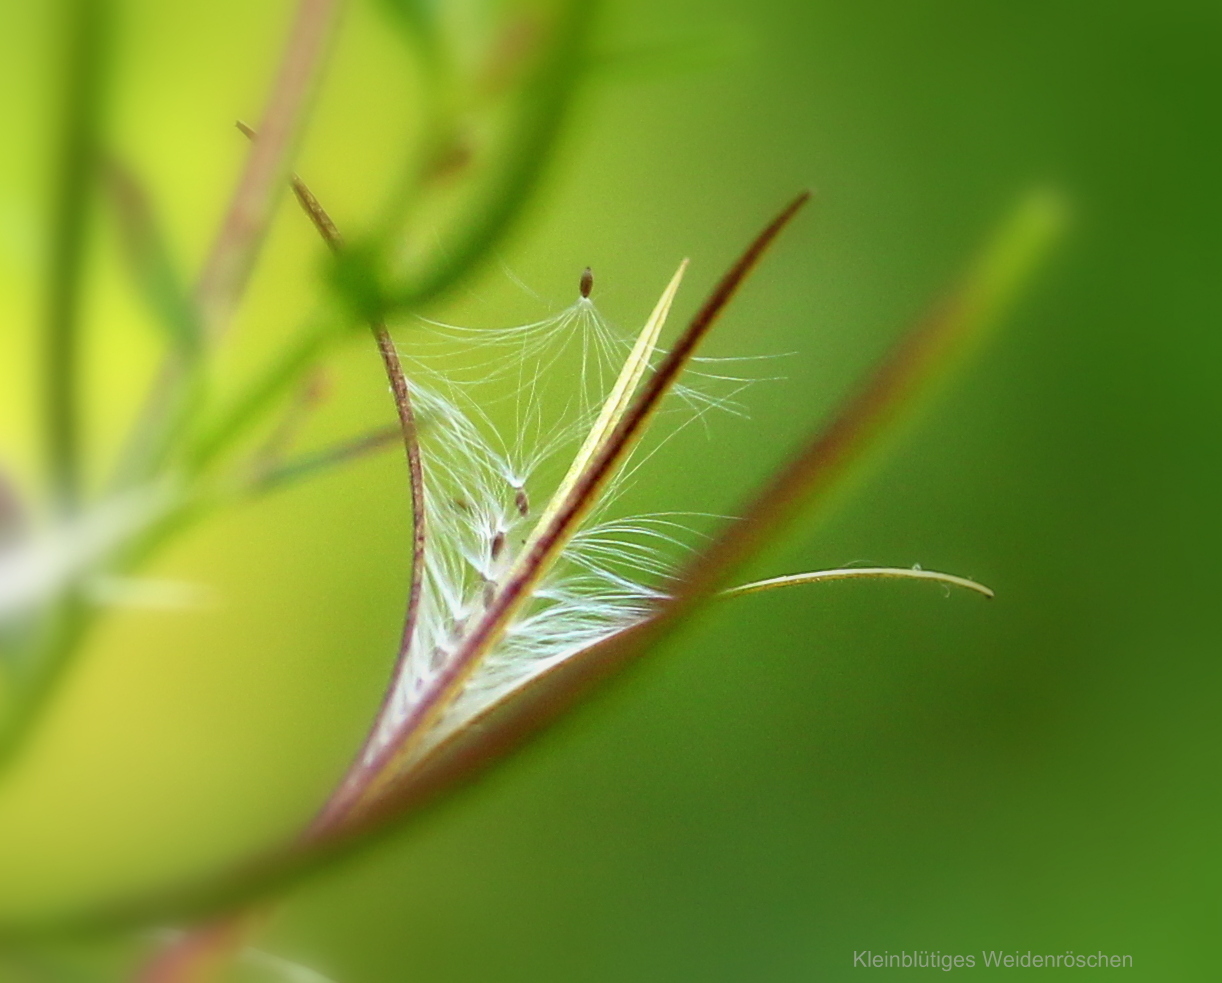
(587, 282)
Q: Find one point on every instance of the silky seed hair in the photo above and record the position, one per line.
(493, 424)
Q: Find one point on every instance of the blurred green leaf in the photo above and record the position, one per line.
(557, 62)
(87, 30)
(709, 47)
(419, 17)
(152, 266)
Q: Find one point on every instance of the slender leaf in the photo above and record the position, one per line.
(152, 265)
(855, 573)
(87, 25)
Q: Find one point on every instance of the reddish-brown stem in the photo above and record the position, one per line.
(337, 806)
(244, 227)
(348, 792)
(198, 955)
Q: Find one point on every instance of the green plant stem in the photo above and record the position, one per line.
(545, 101)
(437, 82)
(176, 393)
(306, 465)
(87, 25)
(285, 371)
(152, 266)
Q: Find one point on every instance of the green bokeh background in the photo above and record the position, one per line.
(798, 776)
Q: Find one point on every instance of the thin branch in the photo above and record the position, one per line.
(295, 469)
(178, 387)
(311, 393)
(245, 225)
(338, 803)
(336, 806)
(301, 354)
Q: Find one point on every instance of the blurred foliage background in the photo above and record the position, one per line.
(853, 766)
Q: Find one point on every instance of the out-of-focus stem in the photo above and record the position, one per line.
(290, 364)
(85, 52)
(545, 100)
(305, 465)
(168, 408)
(178, 389)
(245, 225)
(201, 955)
